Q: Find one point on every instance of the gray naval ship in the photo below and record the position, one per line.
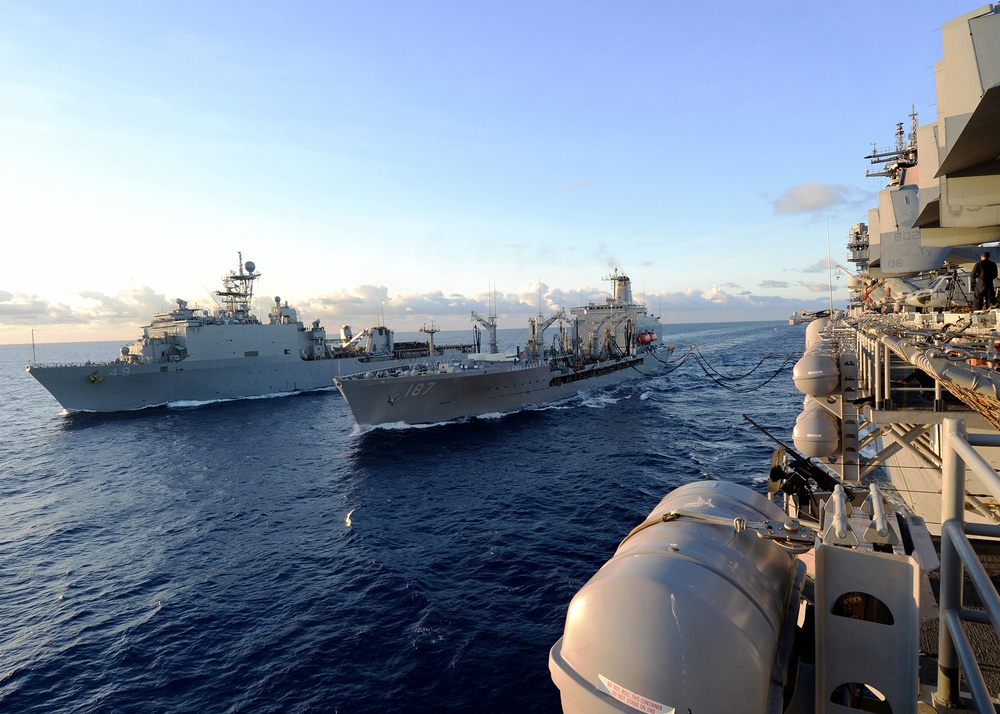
(190, 355)
(597, 345)
(842, 589)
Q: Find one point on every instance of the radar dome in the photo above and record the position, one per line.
(277, 300)
(250, 266)
(124, 350)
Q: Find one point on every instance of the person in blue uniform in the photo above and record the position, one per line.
(983, 275)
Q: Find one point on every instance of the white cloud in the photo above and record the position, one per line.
(815, 286)
(822, 265)
(815, 197)
(137, 304)
(715, 295)
(120, 316)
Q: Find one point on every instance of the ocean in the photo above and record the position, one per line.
(265, 556)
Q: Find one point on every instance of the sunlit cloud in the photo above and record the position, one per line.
(815, 197)
(19, 309)
(137, 304)
(818, 287)
(822, 265)
(120, 316)
(714, 294)
(714, 305)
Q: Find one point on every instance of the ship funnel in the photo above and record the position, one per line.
(623, 289)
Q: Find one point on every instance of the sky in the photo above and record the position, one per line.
(410, 162)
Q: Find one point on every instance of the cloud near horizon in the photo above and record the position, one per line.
(21, 309)
(99, 316)
(126, 304)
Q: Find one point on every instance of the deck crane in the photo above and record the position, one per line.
(490, 324)
(536, 330)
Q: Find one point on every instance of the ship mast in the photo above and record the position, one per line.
(237, 297)
(430, 338)
(489, 322)
(904, 156)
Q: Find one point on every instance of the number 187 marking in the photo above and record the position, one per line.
(418, 388)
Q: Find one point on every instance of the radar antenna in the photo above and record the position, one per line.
(904, 156)
(237, 297)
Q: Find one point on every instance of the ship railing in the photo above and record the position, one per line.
(85, 363)
(955, 652)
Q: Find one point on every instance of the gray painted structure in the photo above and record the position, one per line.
(597, 345)
(190, 355)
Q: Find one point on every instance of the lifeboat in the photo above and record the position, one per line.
(680, 608)
(646, 338)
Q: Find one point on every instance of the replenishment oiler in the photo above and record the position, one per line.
(192, 356)
(842, 589)
(597, 345)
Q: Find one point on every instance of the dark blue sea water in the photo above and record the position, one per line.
(263, 555)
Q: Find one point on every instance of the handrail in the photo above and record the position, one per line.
(957, 552)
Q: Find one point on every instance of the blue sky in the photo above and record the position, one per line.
(407, 157)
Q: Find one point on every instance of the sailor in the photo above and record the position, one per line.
(983, 275)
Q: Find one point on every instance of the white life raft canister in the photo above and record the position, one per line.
(686, 616)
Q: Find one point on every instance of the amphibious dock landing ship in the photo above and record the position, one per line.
(192, 355)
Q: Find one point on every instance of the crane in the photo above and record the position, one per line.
(490, 324)
(536, 329)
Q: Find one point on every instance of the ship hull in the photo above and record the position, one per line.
(120, 387)
(431, 398)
